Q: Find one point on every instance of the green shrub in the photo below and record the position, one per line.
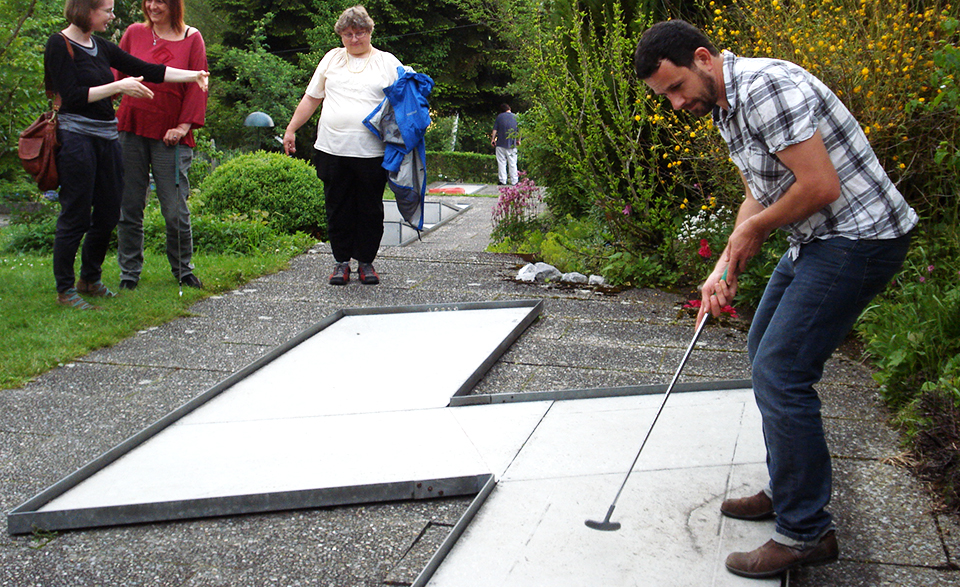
(465, 167)
(912, 332)
(439, 135)
(285, 189)
(32, 232)
(473, 134)
(236, 234)
(206, 157)
(588, 136)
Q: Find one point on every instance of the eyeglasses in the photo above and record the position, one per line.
(354, 36)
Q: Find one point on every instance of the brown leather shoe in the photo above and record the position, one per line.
(773, 558)
(755, 507)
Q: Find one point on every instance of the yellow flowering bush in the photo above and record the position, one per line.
(875, 54)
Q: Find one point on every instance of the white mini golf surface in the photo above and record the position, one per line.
(531, 532)
(297, 425)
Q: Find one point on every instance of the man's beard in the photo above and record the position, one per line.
(707, 100)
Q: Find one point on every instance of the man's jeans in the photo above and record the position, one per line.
(807, 309)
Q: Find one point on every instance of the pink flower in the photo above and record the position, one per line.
(930, 269)
(627, 210)
(704, 251)
(695, 305)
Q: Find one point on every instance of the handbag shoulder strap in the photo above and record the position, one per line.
(69, 47)
(56, 97)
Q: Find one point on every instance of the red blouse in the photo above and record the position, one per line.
(172, 104)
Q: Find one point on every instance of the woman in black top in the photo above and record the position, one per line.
(77, 66)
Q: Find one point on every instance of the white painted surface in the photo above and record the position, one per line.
(276, 431)
(302, 422)
(531, 531)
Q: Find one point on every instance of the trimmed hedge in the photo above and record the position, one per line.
(285, 189)
(462, 167)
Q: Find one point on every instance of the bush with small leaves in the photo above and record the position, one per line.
(286, 191)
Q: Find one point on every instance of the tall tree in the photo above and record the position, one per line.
(465, 57)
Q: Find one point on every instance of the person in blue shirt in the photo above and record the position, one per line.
(505, 138)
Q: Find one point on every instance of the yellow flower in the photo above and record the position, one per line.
(637, 118)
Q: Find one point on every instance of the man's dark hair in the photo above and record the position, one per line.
(675, 40)
(504, 107)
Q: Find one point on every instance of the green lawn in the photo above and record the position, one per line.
(39, 334)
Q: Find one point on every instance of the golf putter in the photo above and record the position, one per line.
(176, 182)
(606, 525)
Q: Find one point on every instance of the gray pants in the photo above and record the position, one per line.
(140, 156)
(506, 165)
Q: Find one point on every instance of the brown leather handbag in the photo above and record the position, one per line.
(38, 144)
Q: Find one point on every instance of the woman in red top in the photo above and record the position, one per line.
(157, 135)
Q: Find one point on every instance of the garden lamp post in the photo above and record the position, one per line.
(259, 120)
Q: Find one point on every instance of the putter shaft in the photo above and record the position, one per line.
(606, 524)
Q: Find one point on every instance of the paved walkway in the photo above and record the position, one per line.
(889, 530)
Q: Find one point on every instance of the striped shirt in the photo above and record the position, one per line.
(775, 104)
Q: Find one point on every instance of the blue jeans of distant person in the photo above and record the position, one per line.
(808, 307)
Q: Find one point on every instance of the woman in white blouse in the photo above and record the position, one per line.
(349, 81)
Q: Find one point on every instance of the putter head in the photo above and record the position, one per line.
(604, 526)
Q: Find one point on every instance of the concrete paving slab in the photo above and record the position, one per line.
(601, 436)
(870, 498)
(500, 431)
(194, 460)
(509, 376)
(532, 532)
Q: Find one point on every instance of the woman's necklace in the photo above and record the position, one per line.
(362, 62)
(156, 37)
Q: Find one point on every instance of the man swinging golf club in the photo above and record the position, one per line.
(807, 169)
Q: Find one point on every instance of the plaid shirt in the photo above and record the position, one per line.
(775, 104)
